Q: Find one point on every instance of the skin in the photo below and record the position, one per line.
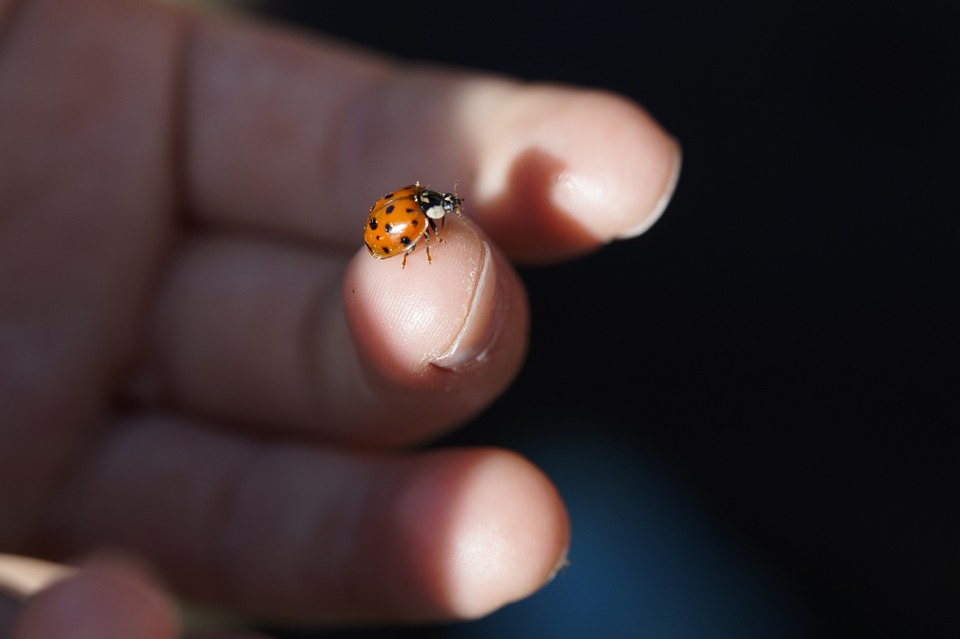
(201, 365)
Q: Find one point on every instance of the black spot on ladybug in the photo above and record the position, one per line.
(390, 209)
(386, 249)
(373, 225)
(387, 228)
(409, 210)
(414, 222)
(405, 240)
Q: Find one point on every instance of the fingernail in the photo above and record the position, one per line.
(561, 566)
(669, 187)
(481, 323)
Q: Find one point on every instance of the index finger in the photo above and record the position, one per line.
(301, 136)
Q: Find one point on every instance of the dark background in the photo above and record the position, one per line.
(752, 409)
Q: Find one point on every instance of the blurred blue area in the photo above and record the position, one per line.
(645, 560)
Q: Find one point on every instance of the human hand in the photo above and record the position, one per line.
(200, 364)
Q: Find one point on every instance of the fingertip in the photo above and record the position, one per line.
(405, 315)
(622, 165)
(643, 223)
(457, 324)
(513, 532)
(494, 525)
(562, 171)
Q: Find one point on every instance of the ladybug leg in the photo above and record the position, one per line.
(413, 247)
(436, 231)
(426, 244)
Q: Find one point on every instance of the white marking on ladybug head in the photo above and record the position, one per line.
(435, 212)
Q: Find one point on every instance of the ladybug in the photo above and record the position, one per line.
(400, 218)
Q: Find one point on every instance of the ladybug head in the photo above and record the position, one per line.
(437, 205)
(450, 200)
(451, 203)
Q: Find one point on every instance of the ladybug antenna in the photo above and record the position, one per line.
(457, 198)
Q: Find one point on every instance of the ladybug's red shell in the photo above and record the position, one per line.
(399, 219)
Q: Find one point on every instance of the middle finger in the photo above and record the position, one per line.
(287, 339)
